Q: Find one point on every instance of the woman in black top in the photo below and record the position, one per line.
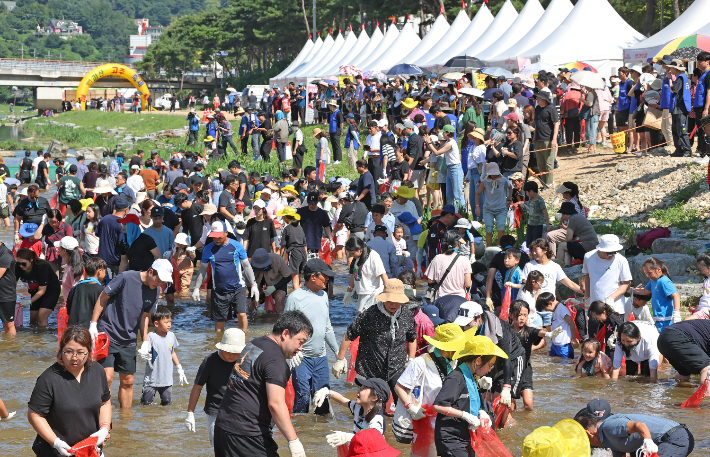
(601, 315)
(71, 399)
(509, 154)
(42, 284)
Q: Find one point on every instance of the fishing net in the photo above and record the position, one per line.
(698, 396)
(352, 374)
(290, 395)
(486, 443)
(423, 433)
(62, 321)
(19, 315)
(325, 254)
(270, 305)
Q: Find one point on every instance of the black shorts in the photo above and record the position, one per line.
(149, 393)
(622, 118)
(682, 352)
(227, 444)
(297, 260)
(226, 306)
(526, 382)
(46, 301)
(7, 312)
(576, 250)
(121, 358)
(518, 365)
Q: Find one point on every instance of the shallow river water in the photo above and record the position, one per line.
(159, 431)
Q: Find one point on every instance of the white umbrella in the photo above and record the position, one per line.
(588, 79)
(231, 89)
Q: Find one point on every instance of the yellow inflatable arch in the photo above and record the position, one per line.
(111, 69)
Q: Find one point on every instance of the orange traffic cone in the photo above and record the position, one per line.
(204, 116)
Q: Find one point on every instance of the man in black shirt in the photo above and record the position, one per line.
(314, 222)
(547, 124)
(191, 218)
(441, 118)
(8, 290)
(30, 210)
(142, 253)
(42, 178)
(242, 193)
(266, 129)
(137, 159)
(365, 185)
(353, 216)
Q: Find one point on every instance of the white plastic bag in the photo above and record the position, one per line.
(288, 153)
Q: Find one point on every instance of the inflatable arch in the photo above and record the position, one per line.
(111, 69)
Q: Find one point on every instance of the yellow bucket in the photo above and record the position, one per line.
(618, 142)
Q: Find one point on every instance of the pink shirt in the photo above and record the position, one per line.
(424, 327)
(68, 281)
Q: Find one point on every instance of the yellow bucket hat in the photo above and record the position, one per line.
(209, 139)
(410, 103)
(480, 345)
(85, 202)
(450, 337)
(288, 211)
(566, 439)
(405, 192)
(289, 188)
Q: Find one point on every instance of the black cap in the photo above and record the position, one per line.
(268, 178)
(157, 211)
(121, 203)
(196, 179)
(599, 407)
(380, 228)
(312, 198)
(315, 266)
(378, 209)
(568, 208)
(381, 388)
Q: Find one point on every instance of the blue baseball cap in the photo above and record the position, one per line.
(432, 313)
(411, 221)
(451, 209)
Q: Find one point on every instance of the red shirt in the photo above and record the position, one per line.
(424, 327)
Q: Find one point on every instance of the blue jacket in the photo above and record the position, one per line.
(194, 123)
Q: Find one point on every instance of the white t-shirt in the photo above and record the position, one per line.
(370, 282)
(704, 303)
(476, 155)
(298, 136)
(528, 298)
(640, 314)
(558, 320)
(453, 157)
(605, 276)
(135, 182)
(647, 348)
(374, 143)
(377, 422)
(91, 241)
(35, 163)
(429, 383)
(410, 208)
(400, 245)
(552, 273)
(3, 194)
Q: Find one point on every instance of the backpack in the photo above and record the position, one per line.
(646, 239)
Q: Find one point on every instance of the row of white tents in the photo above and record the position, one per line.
(590, 31)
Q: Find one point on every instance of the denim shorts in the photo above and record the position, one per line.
(498, 216)
(546, 317)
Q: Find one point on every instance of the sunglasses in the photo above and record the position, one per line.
(509, 132)
(24, 264)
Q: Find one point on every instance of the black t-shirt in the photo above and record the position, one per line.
(8, 281)
(366, 181)
(441, 122)
(398, 170)
(70, 408)
(499, 264)
(242, 179)
(293, 237)
(545, 119)
(509, 164)
(356, 214)
(214, 373)
(697, 330)
(40, 276)
(259, 234)
(534, 338)
(265, 125)
(312, 223)
(183, 180)
(32, 213)
(451, 433)
(192, 221)
(245, 408)
(226, 199)
(136, 160)
(170, 219)
(139, 256)
(41, 168)
(81, 301)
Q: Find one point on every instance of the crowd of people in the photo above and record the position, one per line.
(111, 246)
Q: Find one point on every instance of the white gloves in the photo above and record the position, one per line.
(484, 418)
(505, 396)
(190, 422)
(191, 250)
(254, 292)
(472, 420)
(9, 416)
(101, 434)
(406, 253)
(348, 299)
(296, 448)
(489, 303)
(144, 351)
(472, 258)
(416, 412)
(485, 383)
(17, 238)
(26, 303)
(196, 293)
(649, 446)
(269, 290)
(182, 379)
(338, 368)
(295, 361)
(611, 341)
(609, 301)
(676, 317)
(93, 330)
(167, 255)
(320, 396)
(332, 245)
(61, 447)
(556, 332)
(336, 439)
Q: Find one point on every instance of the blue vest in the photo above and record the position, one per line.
(667, 99)
(624, 96)
(350, 137)
(686, 90)
(700, 90)
(333, 127)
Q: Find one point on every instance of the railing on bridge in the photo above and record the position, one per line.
(49, 65)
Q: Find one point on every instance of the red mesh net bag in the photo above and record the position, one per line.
(62, 321)
(343, 450)
(101, 346)
(601, 337)
(19, 315)
(698, 396)
(290, 395)
(324, 254)
(270, 305)
(486, 443)
(352, 374)
(505, 307)
(177, 285)
(423, 433)
(85, 448)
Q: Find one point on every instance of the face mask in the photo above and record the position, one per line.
(479, 278)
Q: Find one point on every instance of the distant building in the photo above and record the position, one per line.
(8, 5)
(63, 27)
(138, 44)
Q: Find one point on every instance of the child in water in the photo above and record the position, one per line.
(367, 408)
(593, 362)
(529, 293)
(665, 299)
(636, 304)
(564, 343)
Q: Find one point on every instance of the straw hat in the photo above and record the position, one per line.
(405, 192)
(290, 212)
(208, 209)
(316, 132)
(332, 102)
(240, 110)
(393, 291)
(233, 341)
(450, 337)
(410, 103)
(566, 439)
(478, 133)
(480, 345)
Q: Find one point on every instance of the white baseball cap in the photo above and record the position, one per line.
(181, 238)
(260, 204)
(135, 167)
(164, 269)
(468, 311)
(266, 190)
(68, 242)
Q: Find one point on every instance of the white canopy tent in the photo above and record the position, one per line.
(555, 14)
(337, 46)
(307, 60)
(526, 20)
(571, 40)
(406, 41)
(389, 38)
(456, 35)
(297, 61)
(317, 59)
(693, 20)
(354, 50)
(431, 39)
(371, 46)
(505, 18)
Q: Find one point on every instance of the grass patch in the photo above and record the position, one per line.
(619, 228)
(5, 109)
(13, 145)
(679, 216)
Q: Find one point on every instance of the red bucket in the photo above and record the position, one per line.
(101, 343)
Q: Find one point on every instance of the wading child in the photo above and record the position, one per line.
(162, 356)
(293, 244)
(400, 243)
(83, 296)
(592, 361)
(636, 304)
(604, 316)
(529, 294)
(181, 257)
(367, 408)
(513, 275)
(665, 299)
(537, 213)
(564, 343)
(378, 212)
(703, 309)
